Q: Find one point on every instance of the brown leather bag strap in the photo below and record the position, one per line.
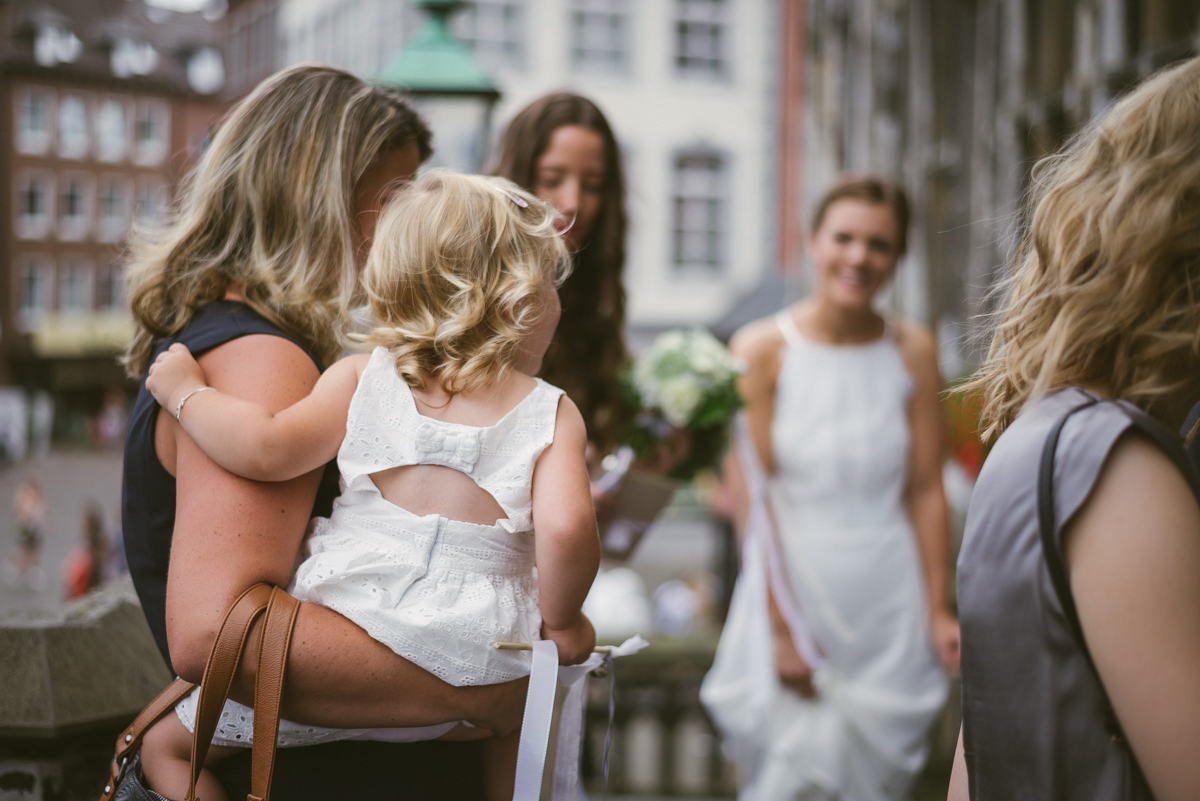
(223, 659)
(268, 690)
(220, 671)
(130, 740)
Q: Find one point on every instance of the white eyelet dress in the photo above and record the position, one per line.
(438, 592)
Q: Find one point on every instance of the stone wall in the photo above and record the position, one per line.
(73, 678)
(957, 100)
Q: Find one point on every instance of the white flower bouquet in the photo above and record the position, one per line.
(685, 381)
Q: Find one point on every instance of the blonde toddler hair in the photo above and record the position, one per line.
(1105, 288)
(456, 277)
(268, 208)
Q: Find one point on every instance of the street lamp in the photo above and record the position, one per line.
(453, 95)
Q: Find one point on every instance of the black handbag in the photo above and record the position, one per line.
(126, 781)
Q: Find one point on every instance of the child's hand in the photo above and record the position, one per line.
(575, 643)
(174, 374)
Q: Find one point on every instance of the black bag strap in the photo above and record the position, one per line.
(1047, 530)
(1051, 549)
(1056, 565)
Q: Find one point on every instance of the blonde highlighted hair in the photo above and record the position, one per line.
(1105, 288)
(457, 277)
(268, 209)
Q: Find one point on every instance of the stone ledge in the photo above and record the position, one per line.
(89, 664)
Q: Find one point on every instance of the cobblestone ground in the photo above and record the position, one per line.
(70, 479)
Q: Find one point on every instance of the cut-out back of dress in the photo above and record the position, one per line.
(384, 430)
(432, 489)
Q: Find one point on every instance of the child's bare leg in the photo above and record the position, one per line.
(166, 761)
(500, 766)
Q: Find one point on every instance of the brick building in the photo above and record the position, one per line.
(104, 104)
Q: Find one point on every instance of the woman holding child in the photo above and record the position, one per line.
(256, 276)
(561, 148)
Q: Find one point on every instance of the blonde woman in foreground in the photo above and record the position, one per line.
(1081, 658)
(448, 449)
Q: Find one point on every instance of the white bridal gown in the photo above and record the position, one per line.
(840, 439)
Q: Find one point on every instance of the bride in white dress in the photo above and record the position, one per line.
(841, 437)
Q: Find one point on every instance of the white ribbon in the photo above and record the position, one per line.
(539, 715)
(532, 750)
(760, 532)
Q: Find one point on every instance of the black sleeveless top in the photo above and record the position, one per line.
(148, 490)
(344, 769)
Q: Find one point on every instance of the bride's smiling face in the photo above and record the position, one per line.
(854, 251)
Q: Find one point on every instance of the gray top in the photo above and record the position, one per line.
(1034, 713)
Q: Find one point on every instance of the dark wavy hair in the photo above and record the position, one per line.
(588, 351)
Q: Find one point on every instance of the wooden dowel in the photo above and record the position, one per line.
(525, 646)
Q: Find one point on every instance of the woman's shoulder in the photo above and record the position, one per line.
(916, 343)
(757, 341)
(237, 331)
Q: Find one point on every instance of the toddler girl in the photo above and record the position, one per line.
(448, 449)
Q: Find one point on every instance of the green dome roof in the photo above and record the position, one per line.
(434, 60)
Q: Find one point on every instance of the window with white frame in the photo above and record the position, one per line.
(699, 210)
(112, 208)
(34, 204)
(75, 207)
(33, 120)
(701, 38)
(495, 29)
(151, 132)
(72, 127)
(109, 290)
(35, 275)
(151, 201)
(112, 130)
(601, 35)
(74, 285)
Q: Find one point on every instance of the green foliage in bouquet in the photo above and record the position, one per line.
(685, 381)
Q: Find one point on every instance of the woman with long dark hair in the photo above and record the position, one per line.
(562, 149)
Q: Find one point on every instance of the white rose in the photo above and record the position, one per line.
(644, 379)
(669, 341)
(705, 361)
(678, 398)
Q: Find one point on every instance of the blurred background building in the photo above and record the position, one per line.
(689, 86)
(733, 116)
(106, 104)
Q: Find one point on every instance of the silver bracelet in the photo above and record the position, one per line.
(183, 400)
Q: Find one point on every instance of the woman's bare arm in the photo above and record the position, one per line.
(247, 438)
(759, 346)
(1133, 553)
(926, 496)
(231, 532)
(959, 789)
